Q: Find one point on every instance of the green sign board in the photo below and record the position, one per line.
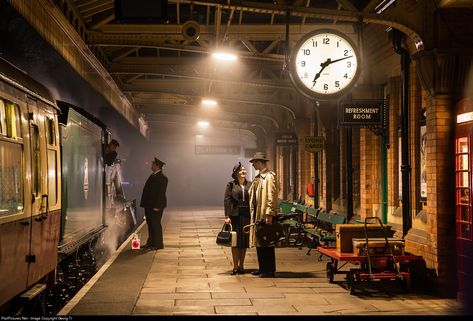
(314, 144)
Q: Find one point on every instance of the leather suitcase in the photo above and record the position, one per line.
(377, 246)
(346, 232)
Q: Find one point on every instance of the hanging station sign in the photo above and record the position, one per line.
(314, 144)
(362, 113)
(217, 150)
(286, 139)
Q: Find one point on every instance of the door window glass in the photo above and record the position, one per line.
(52, 177)
(50, 134)
(35, 160)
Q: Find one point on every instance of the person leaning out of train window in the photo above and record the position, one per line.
(110, 153)
(237, 213)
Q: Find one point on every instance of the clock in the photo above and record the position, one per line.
(324, 64)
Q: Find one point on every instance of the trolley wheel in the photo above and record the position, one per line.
(330, 271)
(351, 282)
(405, 284)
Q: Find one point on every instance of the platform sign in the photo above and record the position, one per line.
(362, 112)
(286, 139)
(217, 150)
(314, 144)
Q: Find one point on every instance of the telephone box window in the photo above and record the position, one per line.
(463, 188)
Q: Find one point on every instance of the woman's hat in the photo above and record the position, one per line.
(235, 170)
(259, 156)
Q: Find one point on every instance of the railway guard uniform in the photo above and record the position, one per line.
(154, 202)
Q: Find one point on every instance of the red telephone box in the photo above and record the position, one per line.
(463, 198)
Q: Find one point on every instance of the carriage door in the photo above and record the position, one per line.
(463, 198)
(39, 216)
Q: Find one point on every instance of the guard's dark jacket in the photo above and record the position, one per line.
(154, 191)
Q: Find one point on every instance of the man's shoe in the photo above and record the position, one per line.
(267, 275)
(257, 272)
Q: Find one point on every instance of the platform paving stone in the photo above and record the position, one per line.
(191, 276)
(235, 310)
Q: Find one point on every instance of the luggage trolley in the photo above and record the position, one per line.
(372, 267)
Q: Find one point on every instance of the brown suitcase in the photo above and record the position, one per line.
(377, 246)
(346, 232)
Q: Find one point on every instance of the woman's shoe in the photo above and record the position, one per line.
(234, 271)
(241, 271)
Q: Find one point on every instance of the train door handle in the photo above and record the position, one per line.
(41, 217)
(44, 216)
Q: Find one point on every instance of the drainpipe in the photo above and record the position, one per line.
(349, 172)
(405, 165)
(384, 181)
(316, 120)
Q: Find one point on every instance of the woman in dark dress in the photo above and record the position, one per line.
(237, 213)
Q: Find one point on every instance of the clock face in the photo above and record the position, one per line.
(324, 64)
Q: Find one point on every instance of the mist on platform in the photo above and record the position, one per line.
(198, 162)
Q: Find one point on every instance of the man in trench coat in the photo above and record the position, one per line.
(263, 195)
(154, 202)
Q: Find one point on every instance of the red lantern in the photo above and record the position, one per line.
(135, 243)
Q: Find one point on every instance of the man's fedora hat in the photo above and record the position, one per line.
(259, 156)
(158, 162)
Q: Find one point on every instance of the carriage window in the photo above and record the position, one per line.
(12, 119)
(17, 120)
(52, 177)
(11, 183)
(3, 119)
(50, 135)
(35, 160)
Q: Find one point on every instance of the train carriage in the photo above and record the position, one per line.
(30, 183)
(59, 214)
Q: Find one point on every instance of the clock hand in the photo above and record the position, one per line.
(337, 60)
(324, 65)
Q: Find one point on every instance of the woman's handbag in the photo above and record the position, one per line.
(227, 237)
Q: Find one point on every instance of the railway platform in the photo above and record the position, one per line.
(191, 276)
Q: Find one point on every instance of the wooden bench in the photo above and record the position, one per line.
(323, 231)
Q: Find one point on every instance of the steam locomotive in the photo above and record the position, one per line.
(60, 205)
